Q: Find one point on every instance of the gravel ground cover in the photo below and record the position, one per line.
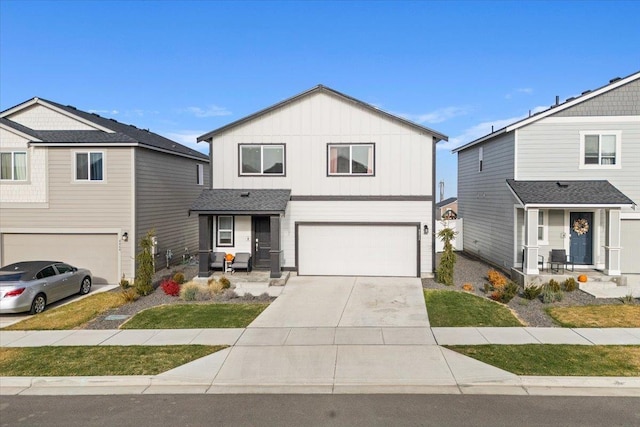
(158, 297)
(531, 313)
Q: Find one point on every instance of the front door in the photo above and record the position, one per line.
(581, 228)
(262, 241)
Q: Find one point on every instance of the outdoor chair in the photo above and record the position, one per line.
(217, 260)
(242, 261)
(560, 258)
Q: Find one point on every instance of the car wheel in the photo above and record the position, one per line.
(38, 304)
(85, 286)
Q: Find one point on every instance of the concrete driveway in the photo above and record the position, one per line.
(331, 302)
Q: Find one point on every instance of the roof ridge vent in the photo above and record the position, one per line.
(615, 79)
(562, 184)
(244, 194)
(586, 92)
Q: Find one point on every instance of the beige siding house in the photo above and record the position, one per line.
(567, 178)
(83, 189)
(322, 184)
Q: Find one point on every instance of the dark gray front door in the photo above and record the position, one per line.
(262, 241)
(581, 248)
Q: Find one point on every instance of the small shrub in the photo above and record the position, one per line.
(468, 287)
(495, 295)
(531, 292)
(510, 291)
(189, 291)
(445, 270)
(226, 284)
(627, 299)
(570, 284)
(215, 286)
(554, 285)
(145, 271)
(129, 295)
(497, 280)
(124, 283)
(227, 295)
(486, 288)
(170, 287)
(179, 278)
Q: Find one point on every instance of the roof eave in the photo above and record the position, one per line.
(577, 205)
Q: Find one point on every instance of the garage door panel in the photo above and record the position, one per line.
(97, 252)
(357, 250)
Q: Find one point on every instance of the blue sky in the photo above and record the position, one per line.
(184, 68)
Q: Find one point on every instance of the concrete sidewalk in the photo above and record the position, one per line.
(330, 335)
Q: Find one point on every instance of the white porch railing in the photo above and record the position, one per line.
(456, 225)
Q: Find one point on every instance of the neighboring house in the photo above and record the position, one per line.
(322, 184)
(447, 208)
(84, 189)
(565, 178)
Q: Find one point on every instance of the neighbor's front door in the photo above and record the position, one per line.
(262, 241)
(581, 248)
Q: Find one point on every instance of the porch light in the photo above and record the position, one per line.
(426, 229)
(125, 236)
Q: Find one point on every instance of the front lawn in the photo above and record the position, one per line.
(72, 315)
(185, 316)
(558, 360)
(97, 361)
(597, 316)
(459, 309)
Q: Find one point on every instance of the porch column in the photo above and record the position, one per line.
(612, 245)
(204, 247)
(275, 251)
(530, 260)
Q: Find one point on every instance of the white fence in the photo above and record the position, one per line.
(456, 225)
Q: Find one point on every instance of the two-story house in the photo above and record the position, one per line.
(321, 184)
(565, 178)
(83, 189)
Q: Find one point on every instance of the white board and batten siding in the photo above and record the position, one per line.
(485, 203)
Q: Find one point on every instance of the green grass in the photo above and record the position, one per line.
(184, 316)
(70, 316)
(596, 316)
(558, 360)
(96, 361)
(458, 309)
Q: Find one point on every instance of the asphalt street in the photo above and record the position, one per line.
(311, 410)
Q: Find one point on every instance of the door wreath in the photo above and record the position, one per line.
(580, 226)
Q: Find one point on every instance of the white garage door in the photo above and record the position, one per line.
(97, 252)
(357, 250)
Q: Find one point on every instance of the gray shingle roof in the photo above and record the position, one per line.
(233, 201)
(83, 136)
(18, 127)
(123, 133)
(568, 193)
(445, 202)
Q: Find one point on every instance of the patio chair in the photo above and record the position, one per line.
(559, 258)
(216, 260)
(242, 261)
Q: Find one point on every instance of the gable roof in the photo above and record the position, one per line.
(109, 131)
(563, 193)
(323, 89)
(445, 202)
(242, 201)
(570, 102)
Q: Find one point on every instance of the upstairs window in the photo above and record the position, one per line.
(265, 159)
(351, 159)
(89, 166)
(480, 158)
(13, 166)
(600, 150)
(200, 174)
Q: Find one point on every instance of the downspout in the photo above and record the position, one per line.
(433, 205)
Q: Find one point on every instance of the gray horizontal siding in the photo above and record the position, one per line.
(484, 201)
(165, 190)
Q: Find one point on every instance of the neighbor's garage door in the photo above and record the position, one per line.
(357, 250)
(97, 252)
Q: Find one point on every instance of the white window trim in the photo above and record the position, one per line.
(480, 158)
(89, 180)
(350, 173)
(545, 227)
(218, 230)
(261, 173)
(200, 174)
(616, 133)
(13, 159)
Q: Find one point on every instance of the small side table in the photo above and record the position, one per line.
(227, 266)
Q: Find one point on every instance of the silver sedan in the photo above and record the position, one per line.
(31, 285)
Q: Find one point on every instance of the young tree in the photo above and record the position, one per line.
(144, 273)
(444, 272)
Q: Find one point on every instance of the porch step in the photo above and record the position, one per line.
(609, 289)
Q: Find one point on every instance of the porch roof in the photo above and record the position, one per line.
(242, 201)
(593, 193)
